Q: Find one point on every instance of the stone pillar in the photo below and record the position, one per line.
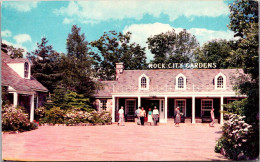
(221, 110)
(193, 110)
(166, 108)
(113, 108)
(32, 108)
(15, 101)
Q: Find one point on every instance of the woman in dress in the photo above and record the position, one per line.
(178, 116)
(149, 116)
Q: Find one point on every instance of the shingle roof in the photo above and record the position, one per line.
(11, 78)
(106, 90)
(163, 80)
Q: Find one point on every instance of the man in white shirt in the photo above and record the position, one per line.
(121, 116)
(155, 115)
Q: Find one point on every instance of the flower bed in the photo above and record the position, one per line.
(15, 120)
(57, 116)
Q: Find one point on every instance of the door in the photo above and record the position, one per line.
(130, 107)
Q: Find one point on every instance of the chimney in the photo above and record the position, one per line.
(119, 69)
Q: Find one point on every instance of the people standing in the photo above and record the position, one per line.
(137, 113)
(121, 116)
(142, 115)
(212, 115)
(178, 116)
(155, 115)
(150, 118)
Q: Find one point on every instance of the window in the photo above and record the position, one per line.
(206, 105)
(220, 82)
(143, 82)
(103, 105)
(181, 103)
(26, 69)
(130, 106)
(180, 82)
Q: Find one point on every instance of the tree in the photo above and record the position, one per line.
(76, 65)
(242, 13)
(172, 47)
(217, 51)
(45, 65)
(244, 22)
(12, 51)
(112, 48)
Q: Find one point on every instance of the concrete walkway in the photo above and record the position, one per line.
(112, 142)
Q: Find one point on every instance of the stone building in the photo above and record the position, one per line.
(195, 91)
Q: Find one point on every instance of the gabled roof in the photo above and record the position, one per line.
(11, 78)
(163, 80)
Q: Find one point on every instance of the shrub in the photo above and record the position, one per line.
(55, 116)
(237, 138)
(39, 113)
(14, 119)
(101, 117)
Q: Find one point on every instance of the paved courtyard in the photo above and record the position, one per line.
(112, 142)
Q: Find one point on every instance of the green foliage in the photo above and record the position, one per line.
(170, 47)
(69, 100)
(45, 65)
(75, 67)
(55, 115)
(11, 51)
(238, 138)
(236, 107)
(217, 51)
(112, 48)
(242, 14)
(72, 116)
(14, 119)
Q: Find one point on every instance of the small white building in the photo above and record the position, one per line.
(195, 91)
(22, 88)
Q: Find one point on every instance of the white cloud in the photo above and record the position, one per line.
(140, 33)
(205, 35)
(22, 38)
(6, 33)
(20, 6)
(67, 21)
(89, 11)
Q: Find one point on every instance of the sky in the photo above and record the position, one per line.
(23, 24)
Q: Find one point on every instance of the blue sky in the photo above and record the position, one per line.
(23, 24)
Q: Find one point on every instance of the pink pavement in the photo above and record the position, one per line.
(112, 143)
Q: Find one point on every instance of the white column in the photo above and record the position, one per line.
(32, 108)
(113, 108)
(166, 108)
(193, 110)
(139, 101)
(221, 110)
(15, 101)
